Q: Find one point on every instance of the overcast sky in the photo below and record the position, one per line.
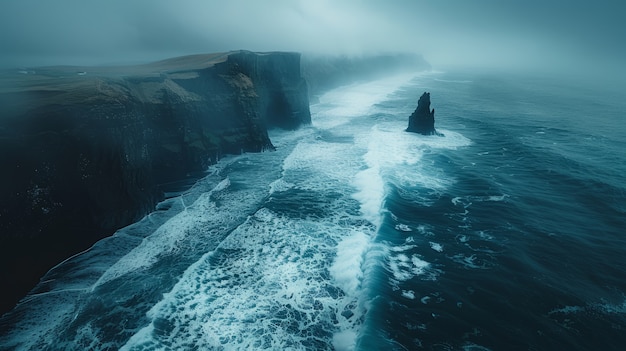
(561, 33)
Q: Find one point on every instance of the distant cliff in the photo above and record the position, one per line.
(326, 72)
(88, 150)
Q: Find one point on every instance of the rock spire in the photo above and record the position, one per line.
(422, 120)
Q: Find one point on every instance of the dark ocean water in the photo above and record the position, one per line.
(508, 233)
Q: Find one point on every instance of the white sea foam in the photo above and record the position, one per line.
(393, 156)
(419, 265)
(280, 185)
(456, 201)
(346, 269)
(221, 185)
(341, 105)
(264, 287)
(409, 294)
(436, 246)
(389, 147)
(344, 340)
(329, 163)
(370, 194)
(405, 267)
(168, 236)
(403, 228)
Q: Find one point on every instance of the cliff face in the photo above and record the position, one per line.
(282, 90)
(89, 150)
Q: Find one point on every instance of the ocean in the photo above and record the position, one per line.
(507, 233)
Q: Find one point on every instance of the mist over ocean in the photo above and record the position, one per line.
(505, 234)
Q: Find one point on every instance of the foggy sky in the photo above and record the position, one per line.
(563, 34)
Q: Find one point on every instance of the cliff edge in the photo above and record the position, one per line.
(88, 150)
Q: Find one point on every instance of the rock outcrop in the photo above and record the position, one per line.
(422, 120)
(86, 151)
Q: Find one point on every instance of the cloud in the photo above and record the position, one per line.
(447, 32)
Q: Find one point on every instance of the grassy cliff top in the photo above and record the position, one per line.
(25, 89)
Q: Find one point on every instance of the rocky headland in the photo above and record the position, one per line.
(88, 150)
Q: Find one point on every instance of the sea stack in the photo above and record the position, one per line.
(422, 120)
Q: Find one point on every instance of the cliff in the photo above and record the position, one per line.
(88, 150)
(326, 72)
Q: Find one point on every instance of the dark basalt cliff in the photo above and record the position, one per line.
(422, 120)
(86, 151)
